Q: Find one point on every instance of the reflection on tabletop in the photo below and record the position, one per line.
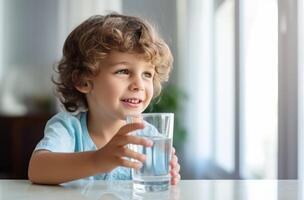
(76, 190)
(185, 190)
(119, 190)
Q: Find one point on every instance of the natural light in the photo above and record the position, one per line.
(260, 89)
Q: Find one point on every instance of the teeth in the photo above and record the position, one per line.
(135, 101)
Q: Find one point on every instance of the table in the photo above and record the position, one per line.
(185, 190)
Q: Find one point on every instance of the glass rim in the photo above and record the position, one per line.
(153, 114)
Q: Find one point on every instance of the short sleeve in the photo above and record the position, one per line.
(59, 134)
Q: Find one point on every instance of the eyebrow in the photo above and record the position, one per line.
(119, 63)
(127, 63)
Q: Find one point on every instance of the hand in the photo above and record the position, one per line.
(174, 169)
(115, 153)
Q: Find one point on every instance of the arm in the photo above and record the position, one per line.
(54, 168)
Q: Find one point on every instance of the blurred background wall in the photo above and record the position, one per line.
(236, 87)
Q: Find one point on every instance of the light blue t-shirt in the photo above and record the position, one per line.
(65, 132)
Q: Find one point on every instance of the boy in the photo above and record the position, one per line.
(112, 66)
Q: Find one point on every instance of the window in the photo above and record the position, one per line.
(231, 52)
(259, 89)
(224, 80)
(301, 89)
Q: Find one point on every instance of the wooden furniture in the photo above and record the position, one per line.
(18, 137)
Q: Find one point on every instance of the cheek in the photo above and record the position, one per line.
(114, 87)
(150, 91)
(105, 92)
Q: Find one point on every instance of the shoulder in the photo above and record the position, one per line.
(66, 117)
(60, 133)
(65, 120)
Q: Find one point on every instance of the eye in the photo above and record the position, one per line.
(148, 74)
(122, 71)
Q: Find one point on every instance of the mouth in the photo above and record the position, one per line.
(132, 102)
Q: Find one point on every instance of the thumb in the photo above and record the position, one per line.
(129, 128)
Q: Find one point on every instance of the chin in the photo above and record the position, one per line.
(124, 115)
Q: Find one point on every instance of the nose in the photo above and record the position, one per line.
(137, 84)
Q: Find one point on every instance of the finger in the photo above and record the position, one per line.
(129, 128)
(175, 168)
(174, 160)
(175, 180)
(130, 164)
(130, 139)
(173, 151)
(126, 152)
(173, 173)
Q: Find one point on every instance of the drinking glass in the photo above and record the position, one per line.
(154, 174)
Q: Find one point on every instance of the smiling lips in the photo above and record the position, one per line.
(132, 102)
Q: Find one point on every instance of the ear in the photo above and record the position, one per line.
(85, 88)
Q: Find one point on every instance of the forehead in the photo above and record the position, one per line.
(115, 58)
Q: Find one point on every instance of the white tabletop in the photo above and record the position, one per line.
(186, 189)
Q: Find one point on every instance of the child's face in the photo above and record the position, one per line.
(123, 86)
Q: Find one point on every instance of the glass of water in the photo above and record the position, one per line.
(154, 174)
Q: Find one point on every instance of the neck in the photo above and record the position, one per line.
(103, 127)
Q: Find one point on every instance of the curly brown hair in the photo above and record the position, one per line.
(94, 39)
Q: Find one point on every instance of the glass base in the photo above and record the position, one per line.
(151, 186)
